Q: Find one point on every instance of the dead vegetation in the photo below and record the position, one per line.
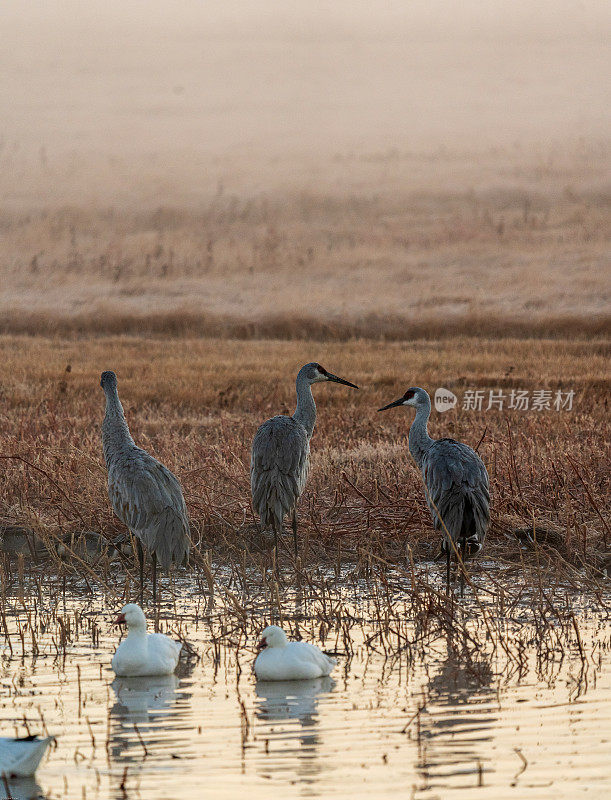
(385, 248)
(196, 405)
(296, 327)
(504, 629)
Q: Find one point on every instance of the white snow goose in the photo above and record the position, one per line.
(142, 653)
(281, 660)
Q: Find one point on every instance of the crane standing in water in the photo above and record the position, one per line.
(455, 481)
(143, 493)
(280, 457)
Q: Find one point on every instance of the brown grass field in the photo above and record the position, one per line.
(381, 248)
(196, 404)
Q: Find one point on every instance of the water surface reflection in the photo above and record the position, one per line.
(138, 699)
(436, 720)
(456, 720)
(149, 723)
(289, 723)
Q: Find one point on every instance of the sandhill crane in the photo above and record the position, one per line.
(455, 481)
(143, 493)
(280, 456)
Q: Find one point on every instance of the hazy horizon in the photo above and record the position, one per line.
(162, 94)
(428, 160)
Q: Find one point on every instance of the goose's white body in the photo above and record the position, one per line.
(142, 653)
(19, 758)
(282, 660)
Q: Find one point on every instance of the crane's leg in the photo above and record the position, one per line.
(275, 528)
(447, 569)
(463, 550)
(155, 608)
(154, 579)
(276, 551)
(141, 562)
(295, 533)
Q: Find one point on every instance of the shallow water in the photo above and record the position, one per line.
(421, 726)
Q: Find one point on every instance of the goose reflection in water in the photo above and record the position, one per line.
(457, 718)
(139, 698)
(278, 704)
(149, 712)
(21, 789)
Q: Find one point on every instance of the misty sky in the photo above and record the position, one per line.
(159, 77)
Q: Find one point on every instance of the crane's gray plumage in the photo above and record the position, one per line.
(457, 491)
(455, 479)
(280, 456)
(279, 468)
(144, 494)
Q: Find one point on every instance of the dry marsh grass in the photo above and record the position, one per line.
(196, 404)
(297, 327)
(370, 252)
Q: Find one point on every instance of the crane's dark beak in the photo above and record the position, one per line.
(330, 377)
(398, 402)
(120, 620)
(262, 645)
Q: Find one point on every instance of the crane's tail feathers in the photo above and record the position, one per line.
(169, 539)
(468, 546)
(275, 496)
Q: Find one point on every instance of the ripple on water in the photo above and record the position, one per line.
(376, 728)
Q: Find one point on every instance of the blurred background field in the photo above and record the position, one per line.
(284, 170)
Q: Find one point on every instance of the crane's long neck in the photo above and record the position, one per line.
(115, 432)
(419, 439)
(305, 413)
